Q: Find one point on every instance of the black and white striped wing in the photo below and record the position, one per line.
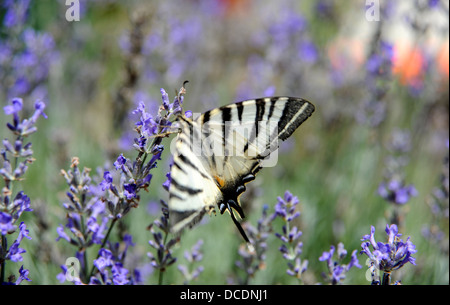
(222, 150)
(192, 190)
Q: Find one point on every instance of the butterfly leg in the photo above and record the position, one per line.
(238, 225)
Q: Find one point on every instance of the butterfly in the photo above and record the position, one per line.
(222, 150)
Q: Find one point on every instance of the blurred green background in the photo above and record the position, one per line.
(232, 50)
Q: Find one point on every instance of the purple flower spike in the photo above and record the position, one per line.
(15, 107)
(336, 269)
(391, 255)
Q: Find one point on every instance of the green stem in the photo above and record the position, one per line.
(160, 279)
(386, 278)
(161, 270)
(3, 265)
(103, 245)
(85, 267)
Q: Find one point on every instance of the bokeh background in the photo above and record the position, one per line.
(378, 76)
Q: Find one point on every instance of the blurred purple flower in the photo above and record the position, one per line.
(192, 257)
(308, 51)
(164, 257)
(370, 112)
(285, 207)
(166, 183)
(14, 108)
(253, 256)
(433, 3)
(372, 108)
(61, 233)
(400, 141)
(26, 54)
(395, 191)
(290, 23)
(291, 247)
(165, 99)
(380, 63)
(15, 12)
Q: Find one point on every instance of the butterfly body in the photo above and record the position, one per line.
(222, 150)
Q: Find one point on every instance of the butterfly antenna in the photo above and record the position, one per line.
(164, 134)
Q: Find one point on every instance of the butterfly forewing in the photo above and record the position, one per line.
(223, 149)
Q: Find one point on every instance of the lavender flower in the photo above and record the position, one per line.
(288, 51)
(110, 264)
(399, 145)
(178, 38)
(93, 210)
(396, 192)
(438, 202)
(337, 270)
(104, 260)
(16, 13)
(135, 176)
(6, 225)
(393, 188)
(25, 127)
(400, 141)
(192, 257)
(27, 54)
(119, 274)
(20, 155)
(291, 248)
(372, 109)
(15, 252)
(163, 257)
(23, 275)
(84, 209)
(92, 215)
(389, 256)
(86, 214)
(253, 257)
(379, 62)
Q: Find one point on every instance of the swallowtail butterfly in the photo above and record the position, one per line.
(219, 152)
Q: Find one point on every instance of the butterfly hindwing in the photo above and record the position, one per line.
(192, 191)
(222, 150)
